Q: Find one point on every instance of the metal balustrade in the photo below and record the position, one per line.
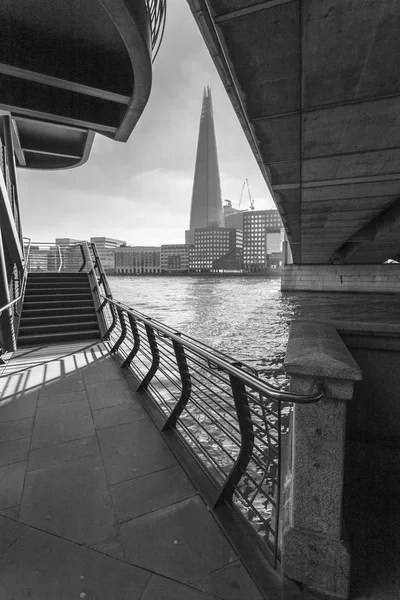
(157, 10)
(228, 419)
(231, 421)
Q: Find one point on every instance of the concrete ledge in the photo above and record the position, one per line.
(381, 279)
(317, 350)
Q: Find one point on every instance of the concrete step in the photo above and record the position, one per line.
(34, 289)
(37, 329)
(56, 295)
(62, 311)
(43, 318)
(55, 338)
(40, 303)
(57, 275)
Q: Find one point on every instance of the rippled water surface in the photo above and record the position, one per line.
(247, 317)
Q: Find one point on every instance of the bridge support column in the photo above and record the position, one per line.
(313, 550)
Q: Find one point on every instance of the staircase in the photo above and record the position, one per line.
(58, 307)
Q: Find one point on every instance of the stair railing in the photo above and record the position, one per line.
(97, 278)
(19, 281)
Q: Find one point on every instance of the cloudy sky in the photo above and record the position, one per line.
(140, 191)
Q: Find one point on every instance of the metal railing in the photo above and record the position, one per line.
(230, 420)
(158, 11)
(46, 257)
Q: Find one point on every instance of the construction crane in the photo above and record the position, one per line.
(246, 182)
(250, 196)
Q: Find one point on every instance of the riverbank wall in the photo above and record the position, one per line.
(380, 279)
(270, 273)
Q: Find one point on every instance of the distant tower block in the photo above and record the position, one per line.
(206, 207)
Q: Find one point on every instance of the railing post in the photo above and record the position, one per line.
(186, 386)
(114, 320)
(123, 331)
(247, 441)
(313, 550)
(156, 358)
(136, 344)
(84, 258)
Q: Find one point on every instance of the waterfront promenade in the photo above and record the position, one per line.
(93, 503)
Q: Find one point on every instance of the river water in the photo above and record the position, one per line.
(246, 317)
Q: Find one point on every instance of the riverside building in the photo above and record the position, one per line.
(137, 260)
(174, 258)
(211, 245)
(261, 238)
(106, 250)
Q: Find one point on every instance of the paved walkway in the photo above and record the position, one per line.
(92, 502)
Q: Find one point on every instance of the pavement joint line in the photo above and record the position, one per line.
(61, 462)
(18, 538)
(195, 494)
(59, 443)
(7, 516)
(147, 474)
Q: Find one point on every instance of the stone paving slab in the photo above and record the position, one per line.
(161, 588)
(11, 484)
(51, 455)
(102, 370)
(12, 512)
(56, 424)
(108, 393)
(14, 451)
(132, 450)
(40, 566)
(230, 583)
(10, 531)
(65, 398)
(14, 408)
(15, 430)
(118, 415)
(71, 383)
(181, 541)
(61, 536)
(70, 499)
(145, 494)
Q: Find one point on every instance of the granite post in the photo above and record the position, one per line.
(313, 549)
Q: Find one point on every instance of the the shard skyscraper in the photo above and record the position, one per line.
(206, 207)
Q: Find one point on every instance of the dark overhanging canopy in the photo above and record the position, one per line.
(70, 68)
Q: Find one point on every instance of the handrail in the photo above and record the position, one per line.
(259, 386)
(24, 275)
(157, 11)
(215, 411)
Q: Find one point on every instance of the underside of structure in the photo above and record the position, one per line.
(316, 86)
(69, 69)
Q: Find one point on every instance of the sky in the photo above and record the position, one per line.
(140, 191)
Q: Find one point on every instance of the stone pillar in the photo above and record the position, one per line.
(313, 550)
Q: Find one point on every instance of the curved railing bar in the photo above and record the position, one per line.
(157, 11)
(24, 275)
(265, 389)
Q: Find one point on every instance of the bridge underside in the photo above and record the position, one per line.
(316, 86)
(69, 69)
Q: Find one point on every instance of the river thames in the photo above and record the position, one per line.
(246, 317)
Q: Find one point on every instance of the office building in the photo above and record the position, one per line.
(174, 258)
(137, 260)
(211, 245)
(206, 205)
(261, 238)
(106, 249)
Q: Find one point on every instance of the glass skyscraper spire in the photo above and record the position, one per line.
(206, 206)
